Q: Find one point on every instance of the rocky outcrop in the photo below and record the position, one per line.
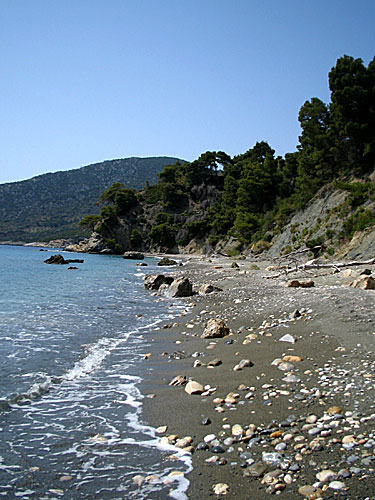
(59, 259)
(94, 244)
(167, 262)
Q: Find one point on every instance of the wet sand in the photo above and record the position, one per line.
(264, 430)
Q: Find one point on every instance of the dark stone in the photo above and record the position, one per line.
(217, 449)
(167, 262)
(56, 259)
(154, 281)
(206, 421)
(202, 446)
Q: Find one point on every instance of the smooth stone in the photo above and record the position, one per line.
(257, 470)
(336, 485)
(311, 419)
(287, 338)
(326, 475)
(209, 438)
(237, 430)
(206, 421)
(334, 410)
(306, 490)
(194, 387)
(291, 379)
(228, 441)
(280, 447)
(271, 458)
(217, 449)
(344, 473)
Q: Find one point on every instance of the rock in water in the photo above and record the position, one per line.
(181, 287)
(215, 328)
(167, 262)
(133, 255)
(56, 259)
(154, 281)
(59, 259)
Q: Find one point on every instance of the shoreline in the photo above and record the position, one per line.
(284, 433)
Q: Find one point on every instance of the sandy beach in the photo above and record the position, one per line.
(288, 396)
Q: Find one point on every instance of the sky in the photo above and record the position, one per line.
(83, 81)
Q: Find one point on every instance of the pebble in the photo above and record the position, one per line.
(237, 430)
(336, 485)
(326, 475)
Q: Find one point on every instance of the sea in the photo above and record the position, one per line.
(71, 349)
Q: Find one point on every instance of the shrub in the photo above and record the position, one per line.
(136, 238)
(163, 235)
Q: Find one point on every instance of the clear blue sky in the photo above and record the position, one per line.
(83, 81)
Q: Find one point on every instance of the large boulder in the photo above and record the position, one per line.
(215, 328)
(155, 281)
(133, 255)
(181, 287)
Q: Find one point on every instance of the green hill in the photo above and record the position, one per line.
(49, 206)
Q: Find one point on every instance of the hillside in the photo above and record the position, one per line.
(322, 194)
(50, 206)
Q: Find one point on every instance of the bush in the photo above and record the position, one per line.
(136, 238)
(260, 246)
(163, 235)
(125, 199)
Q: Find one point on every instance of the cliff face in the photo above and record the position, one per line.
(342, 222)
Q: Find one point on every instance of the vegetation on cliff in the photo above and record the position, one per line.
(250, 197)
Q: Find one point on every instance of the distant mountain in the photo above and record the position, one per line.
(49, 206)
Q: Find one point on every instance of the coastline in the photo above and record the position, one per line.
(287, 431)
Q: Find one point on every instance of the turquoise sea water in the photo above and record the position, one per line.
(71, 345)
